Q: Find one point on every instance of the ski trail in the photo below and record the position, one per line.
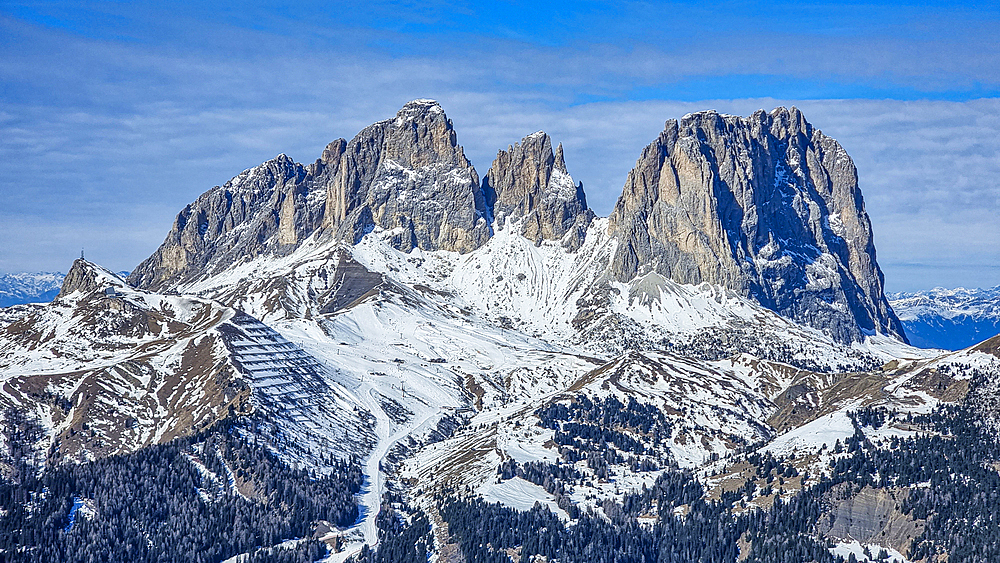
(371, 499)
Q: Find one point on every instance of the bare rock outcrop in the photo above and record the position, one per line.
(530, 182)
(407, 174)
(267, 208)
(86, 277)
(765, 205)
(870, 515)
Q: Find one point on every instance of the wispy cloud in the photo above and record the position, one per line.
(112, 119)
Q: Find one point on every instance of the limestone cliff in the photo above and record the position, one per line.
(530, 182)
(406, 175)
(267, 208)
(766, 205)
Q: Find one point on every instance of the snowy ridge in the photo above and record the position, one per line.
(137, 368)
(713, 411)
(548, 292)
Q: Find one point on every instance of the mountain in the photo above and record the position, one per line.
(529, 184)
(16, 289)
(949, 319)
(767, 206)
(490, 372)
(406, 174)
(112, 368)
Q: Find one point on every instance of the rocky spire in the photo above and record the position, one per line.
(528, 182)
(766, 205)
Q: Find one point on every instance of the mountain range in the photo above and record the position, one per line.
(423, 342)
(949, 319)
(41, 287)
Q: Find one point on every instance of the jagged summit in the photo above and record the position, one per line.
(410, 175)
(766, 205)
(406, 175)
(415, 109)
(530, 182)
(267, 208)
(86, 277)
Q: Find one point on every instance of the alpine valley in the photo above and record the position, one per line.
(382, 356)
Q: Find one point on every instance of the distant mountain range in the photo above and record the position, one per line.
(40, 287)
(31, 287)
(951, 319)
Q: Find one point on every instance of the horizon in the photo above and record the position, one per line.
(118, 116)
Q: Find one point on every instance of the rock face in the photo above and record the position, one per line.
(87, 277)
(407, 175)
(528, 181)
(766, 205)
(267, 208)
(871, 516)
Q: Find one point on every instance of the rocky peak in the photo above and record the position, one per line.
(422, 135)
(266, 208)
(765, 205)
(530, 183)
(86, 277)
(408, 175)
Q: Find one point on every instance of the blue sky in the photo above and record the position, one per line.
(114, 115)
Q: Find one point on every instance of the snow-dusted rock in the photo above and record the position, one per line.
(408, 175)
(528, 182)
(765, 205)
(265, 209)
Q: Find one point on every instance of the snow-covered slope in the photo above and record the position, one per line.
(430, 342)
(438, 367)
(948, 318)
(549, 292)
(110, 369)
